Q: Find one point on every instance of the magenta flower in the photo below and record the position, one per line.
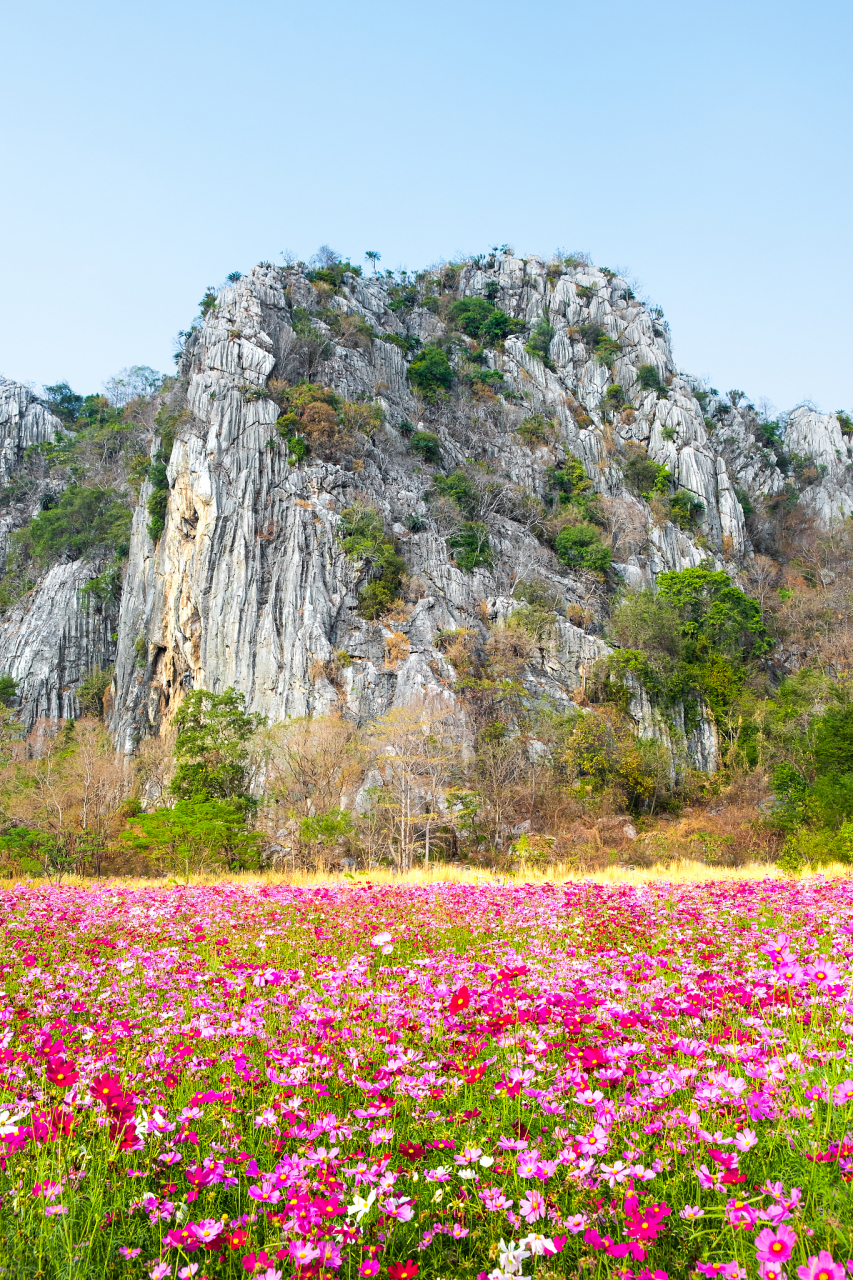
(775, 1246)
(821, 1268)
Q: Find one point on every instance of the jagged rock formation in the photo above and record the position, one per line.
(249, 584)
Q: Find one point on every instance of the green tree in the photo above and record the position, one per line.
(373, 257)
(84, 521)
(579, 546)
(195, 835)
(715, 614)
(211, 749)
(430, 372)
(63, 402)
(363, 538)
(539, 344)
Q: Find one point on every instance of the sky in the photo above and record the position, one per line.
(704, 149)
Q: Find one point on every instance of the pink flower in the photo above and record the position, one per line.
(533, 1206)
(770, 1271)
(821, 1268)
(369, 1268)
(303, 1252)
(129, 1253)
(160, 1270)
(775, 1246)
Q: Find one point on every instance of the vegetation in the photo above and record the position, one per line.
(580, 547)
(470, 545)
(480, 318)
(364, 540)
(539, 343)
(430, 372)
(211, 748)
(85, 521)
(427, 444)
(650, 380)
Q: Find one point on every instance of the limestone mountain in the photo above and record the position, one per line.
(348, 473)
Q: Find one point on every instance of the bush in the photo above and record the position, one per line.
(471, 545)
(428, 445)
(459, 489)
(90, 694)
(685, 509)
(363, 538)
(480, 318)
(85, 521)
(607, 350)
(579, 546)
(649, 379)
(157, 506)
(644, 476)
(535, 429)
(539, 344)
(430, 372)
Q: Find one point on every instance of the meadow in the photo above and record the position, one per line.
(440, 1078)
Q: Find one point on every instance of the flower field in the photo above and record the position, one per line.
(438, 1081)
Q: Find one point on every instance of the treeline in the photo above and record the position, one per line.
(493, 775)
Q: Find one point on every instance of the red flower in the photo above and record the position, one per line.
(252, 1260)
(411, 1150)
(105, 1088)
(62, 1073)
(475, 1074)
(403, 1270)
(460, 1000)
(236, 1239)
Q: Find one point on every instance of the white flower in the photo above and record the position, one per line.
(538, 1244)
(381, 940)
(486, 1162)
(360, 1206)
(8, 1123)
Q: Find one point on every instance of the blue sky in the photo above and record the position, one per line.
(149, 149)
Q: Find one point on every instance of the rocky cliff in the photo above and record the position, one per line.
(249, 584)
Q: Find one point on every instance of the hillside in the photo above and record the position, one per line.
(360, 492)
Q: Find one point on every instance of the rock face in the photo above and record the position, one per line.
(249, 584)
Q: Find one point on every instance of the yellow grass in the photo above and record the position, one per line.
(683, 871)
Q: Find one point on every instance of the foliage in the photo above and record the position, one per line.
(685, 509)
(63, 402)
(326, 828)
(211, 749)
(208, 302)
(480, 318)
(607, 350)
(643, 476)
(195, 834)
(430, 372)
(8, 690)
(535, 429)
(580, 547)
(459, 489)
(470, 544)
(715, 614)
(85, 521)
(539, 343)
(650, 380)
(407, 343)
(333, 273)
(363, 538)
(427, 444)
(158, 501)
(90, 693)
